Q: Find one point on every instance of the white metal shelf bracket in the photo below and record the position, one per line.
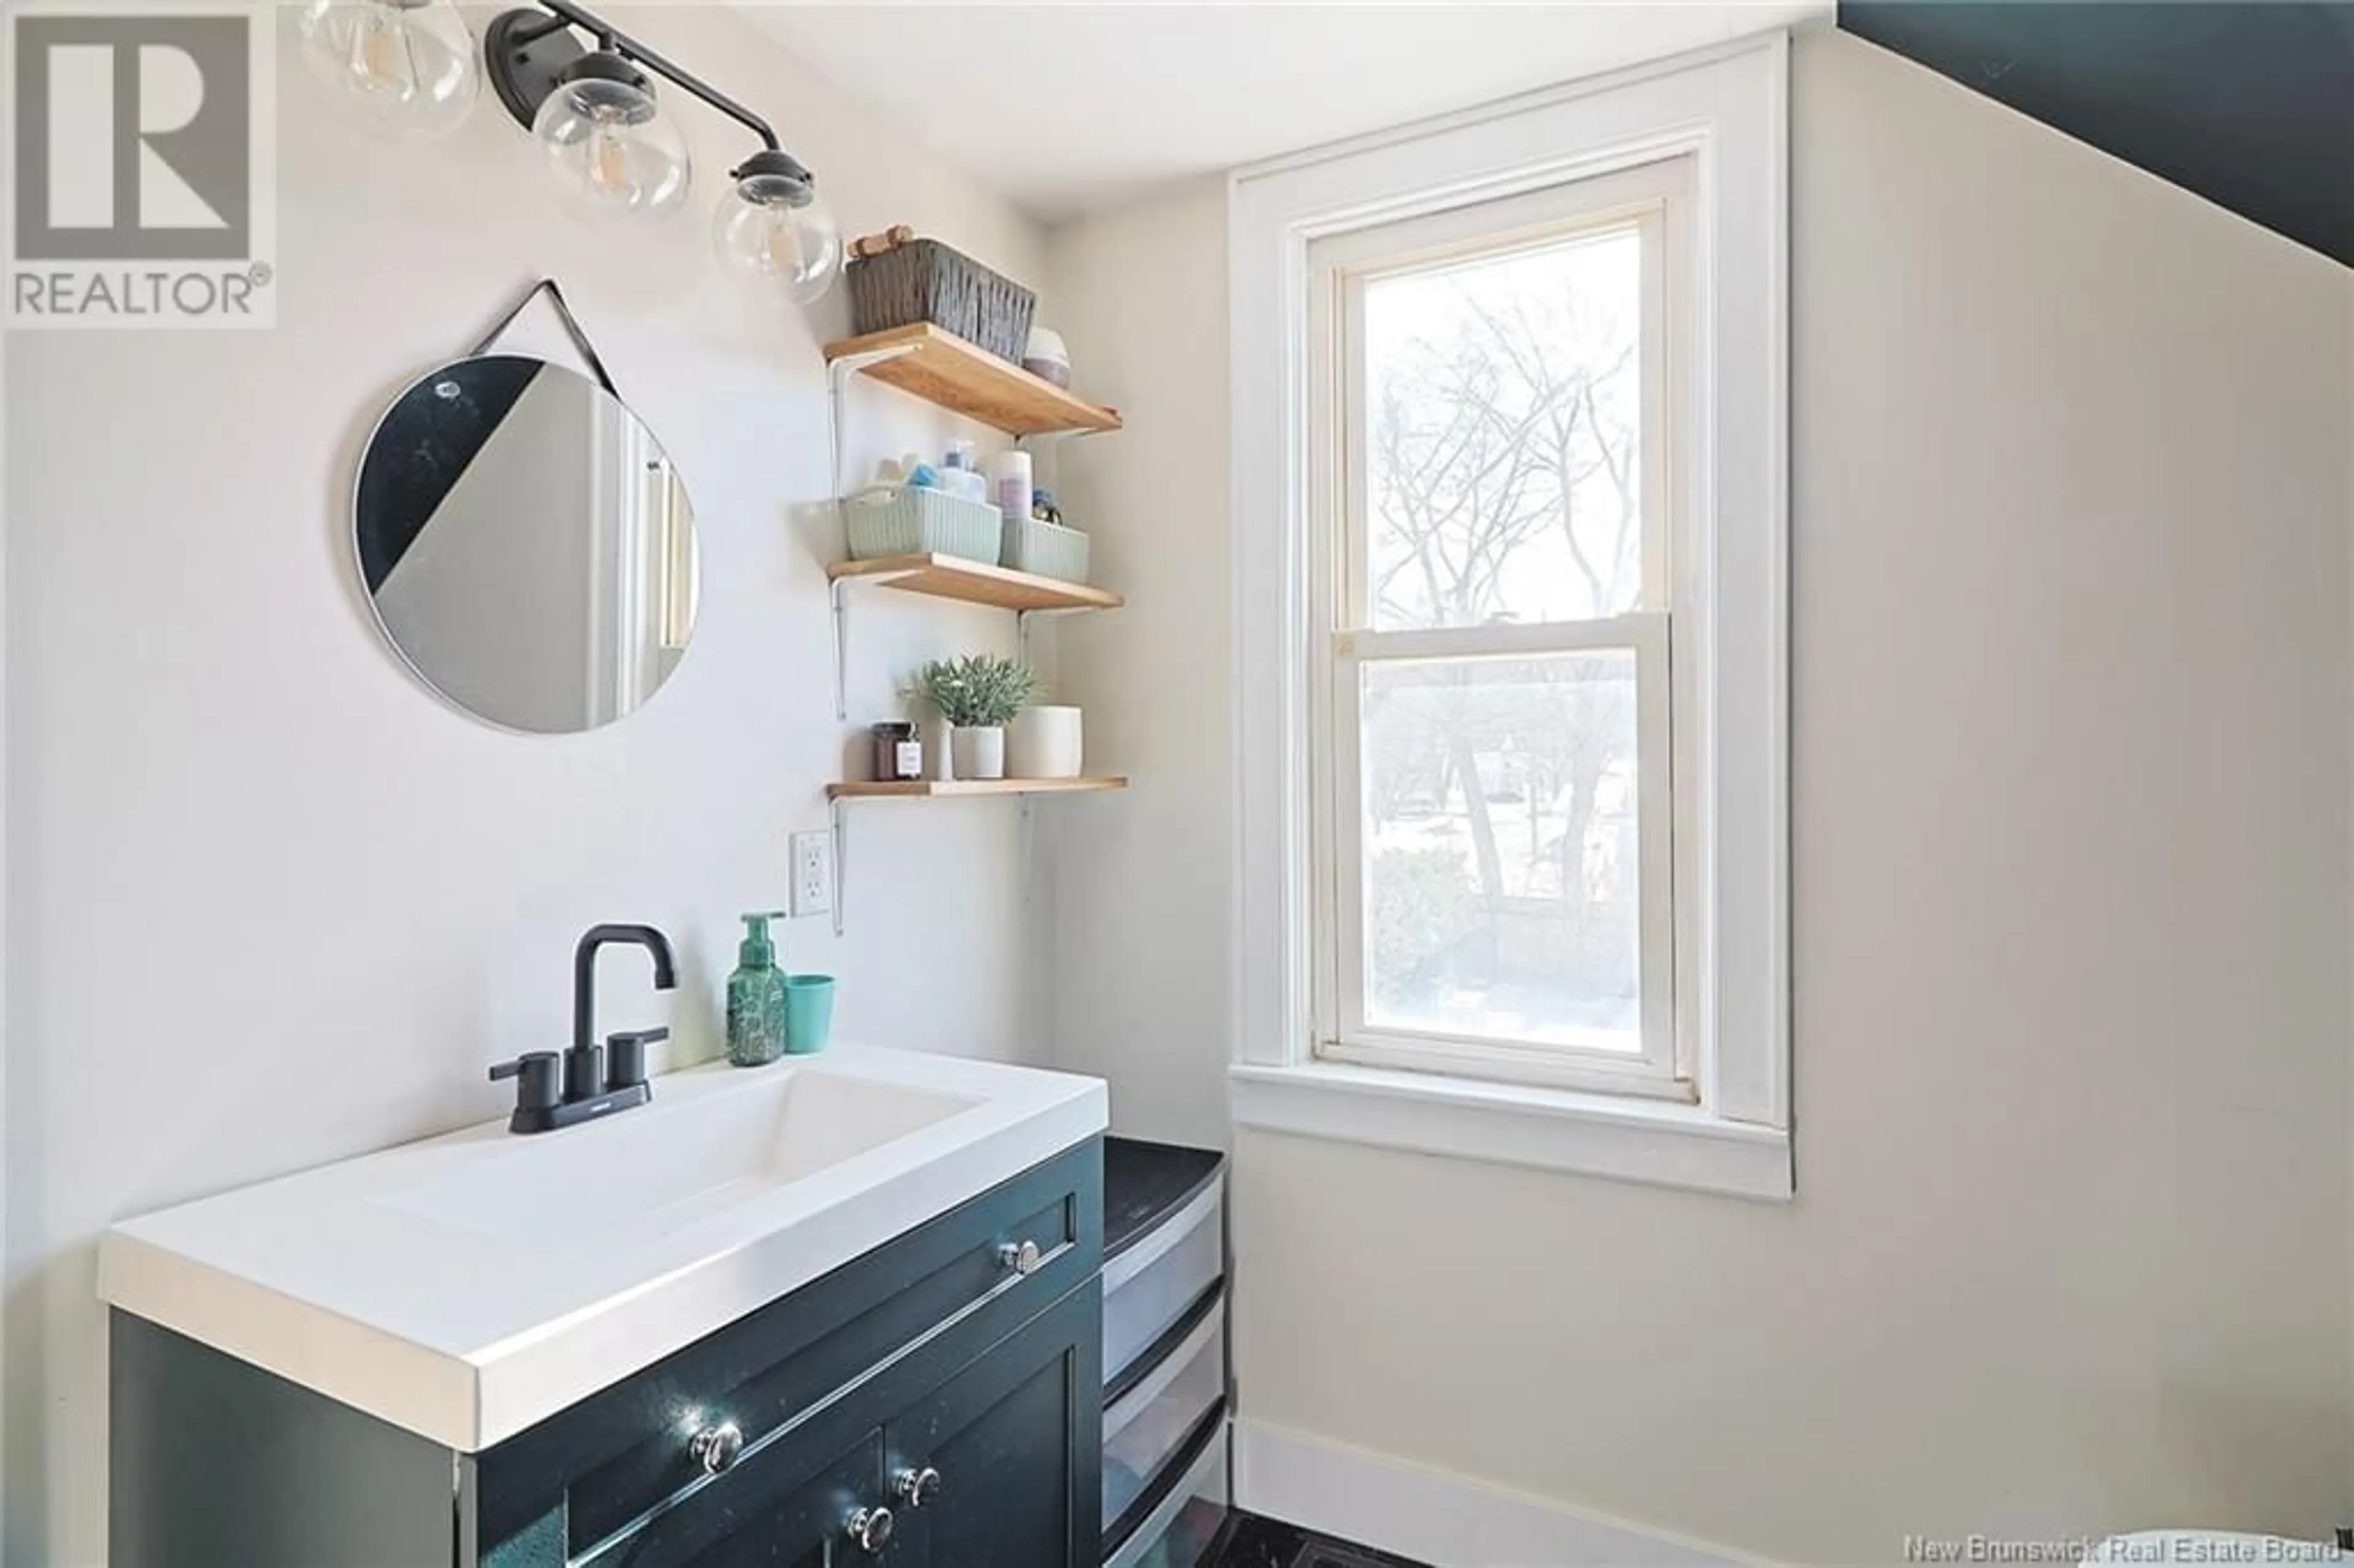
(1022, 628)
(840, 650)
(1053, 440)
(840, 596)
(1057, 437)
(838, 373)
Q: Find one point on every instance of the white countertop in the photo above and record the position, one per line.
(370, 1282)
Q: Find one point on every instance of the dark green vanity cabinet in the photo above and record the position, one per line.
(935, 1403)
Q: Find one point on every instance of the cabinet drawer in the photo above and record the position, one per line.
(1158, 1281)
(606, 1466)
(768, 1514)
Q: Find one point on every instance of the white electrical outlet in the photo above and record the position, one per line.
(812, 873)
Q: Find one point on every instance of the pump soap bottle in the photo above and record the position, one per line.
(756, 997)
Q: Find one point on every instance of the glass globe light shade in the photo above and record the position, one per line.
(771, 229)
(406, 70)
(614, 153)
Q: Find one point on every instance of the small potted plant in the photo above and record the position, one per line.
(979, 695)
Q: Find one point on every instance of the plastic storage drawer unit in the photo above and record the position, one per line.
(1184, 1523)
(1147, 1429)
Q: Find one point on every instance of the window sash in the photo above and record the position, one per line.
(1654, 198)
(1343, 1031)
(1651, 197)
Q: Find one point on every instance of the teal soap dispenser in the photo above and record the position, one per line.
(756, 997)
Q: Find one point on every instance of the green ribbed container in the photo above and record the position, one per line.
(1044, 549)
(906, 521)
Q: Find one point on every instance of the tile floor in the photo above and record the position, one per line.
(1255, 1542)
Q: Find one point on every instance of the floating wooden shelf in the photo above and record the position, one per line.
(924, 789)
(943, 368)
(975, 582)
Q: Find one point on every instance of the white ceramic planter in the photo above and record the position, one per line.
(1046, 743)
(980, 751)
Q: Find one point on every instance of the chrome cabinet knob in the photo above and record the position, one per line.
(1021, 1259)
(870, 1530)
(916, 1487)
(716, 1448)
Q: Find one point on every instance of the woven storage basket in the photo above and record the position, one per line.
(905, 520)
(1045, 549)
(924, 280)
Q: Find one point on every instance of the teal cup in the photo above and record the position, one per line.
(809, 1013)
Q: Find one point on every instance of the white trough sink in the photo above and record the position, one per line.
(470, 1286)
(655, 1173)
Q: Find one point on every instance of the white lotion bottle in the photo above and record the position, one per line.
(1009, 474)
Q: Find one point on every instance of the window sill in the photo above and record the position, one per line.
(1594, 1135)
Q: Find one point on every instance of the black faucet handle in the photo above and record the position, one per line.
(540, 1082)
(625, 1056)
(584, 1072)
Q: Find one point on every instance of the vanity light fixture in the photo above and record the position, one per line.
(402, 69)
(614, 153)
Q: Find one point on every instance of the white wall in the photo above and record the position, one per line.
(270, 902)
(1144, 896)
(2072, 796)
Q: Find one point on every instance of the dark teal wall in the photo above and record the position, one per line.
(2250, 104)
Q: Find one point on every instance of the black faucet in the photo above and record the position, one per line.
(590, 1085)
(584, 987)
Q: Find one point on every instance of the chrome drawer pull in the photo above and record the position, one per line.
(1021, 1259)
(916, 1487)
(716, 1448)
(870, 1530)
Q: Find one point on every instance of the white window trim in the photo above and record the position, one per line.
(1727, 107)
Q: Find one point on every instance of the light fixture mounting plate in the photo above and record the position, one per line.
(523, 53)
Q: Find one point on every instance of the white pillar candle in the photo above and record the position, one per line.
(1045, 744)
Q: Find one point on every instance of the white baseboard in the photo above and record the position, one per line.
(1448, 1521)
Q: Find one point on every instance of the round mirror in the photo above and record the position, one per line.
(527, 545)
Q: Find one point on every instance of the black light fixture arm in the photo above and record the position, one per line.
(523, 73)
(629, 48)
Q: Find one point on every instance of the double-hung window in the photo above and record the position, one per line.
(1494, 509)
(1510, 444)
